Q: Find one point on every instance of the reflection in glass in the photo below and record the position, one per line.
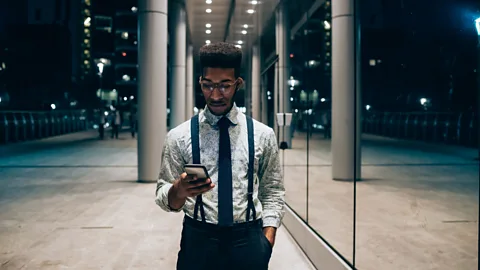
(417, 204)
(330, 202)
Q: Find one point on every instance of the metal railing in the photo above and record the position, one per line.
(439, 127)
(456, 128)
(18, 126)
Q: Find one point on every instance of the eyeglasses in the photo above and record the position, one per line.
(223, 87)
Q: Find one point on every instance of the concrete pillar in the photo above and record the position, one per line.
(178, 53)
(189, 85)
(256, 93)
(152, 90)
(282, 91)
(344, 101)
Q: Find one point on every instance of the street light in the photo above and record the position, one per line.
(477, 25)
(100, 68)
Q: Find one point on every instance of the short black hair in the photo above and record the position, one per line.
(221, 55)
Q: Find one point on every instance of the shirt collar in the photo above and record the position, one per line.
(213, 119)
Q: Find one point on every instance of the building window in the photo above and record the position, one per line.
(38, 14)
(87, 12)
(87, 2)
(86, 41)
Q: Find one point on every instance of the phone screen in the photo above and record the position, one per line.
(198, 170)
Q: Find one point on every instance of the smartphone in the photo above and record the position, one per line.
(197, 170)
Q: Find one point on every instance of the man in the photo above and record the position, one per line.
(221, 237)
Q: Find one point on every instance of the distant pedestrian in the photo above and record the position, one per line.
(133, 122)
(101, 124)
(116, 122)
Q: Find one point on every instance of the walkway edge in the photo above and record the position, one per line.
(317, 251)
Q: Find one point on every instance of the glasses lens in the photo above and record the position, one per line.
(208, 86)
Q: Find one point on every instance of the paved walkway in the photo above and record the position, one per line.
(72, 202)
(417, 205)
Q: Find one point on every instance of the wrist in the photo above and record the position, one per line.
(175, 201)
(175, 191)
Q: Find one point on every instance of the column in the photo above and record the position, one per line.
(152, 87)
(282, 91)
(344, 101)
(189, 85)
(178, 52)
(256, 96)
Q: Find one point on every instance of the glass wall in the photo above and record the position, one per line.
(415, 203)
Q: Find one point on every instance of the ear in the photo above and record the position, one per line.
(240, 83)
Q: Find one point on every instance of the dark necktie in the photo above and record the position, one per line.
(225, 200)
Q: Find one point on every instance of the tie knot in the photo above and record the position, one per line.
(224, 122)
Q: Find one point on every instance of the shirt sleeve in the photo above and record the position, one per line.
(171, 168)
(271, 191)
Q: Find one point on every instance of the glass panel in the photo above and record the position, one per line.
(125, 39)
(417, 202)
(295, 168)
(293, 160)
(126, 56)
(126, 22)
(330, 202)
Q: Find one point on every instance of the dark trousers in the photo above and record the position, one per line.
(206, 246)
(327, 131)
(114, 131)
(101, 130)
(133, 128)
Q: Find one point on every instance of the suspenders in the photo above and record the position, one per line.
(195, 137)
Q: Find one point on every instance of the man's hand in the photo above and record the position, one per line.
(270, 233)
(187, 186)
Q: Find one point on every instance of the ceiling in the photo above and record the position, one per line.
(225, 14)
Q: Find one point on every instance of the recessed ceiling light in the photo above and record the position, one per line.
(207, 41)
(208, 25)
(208, 10)
(250, 11)
(208, 31)
(245, 26)
(253, 2)
(240, 42)
(244, 32)
(208, 2)
(238, 46)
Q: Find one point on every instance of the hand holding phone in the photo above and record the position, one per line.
(197, 170)
(194, 181)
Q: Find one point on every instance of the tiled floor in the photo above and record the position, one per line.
(417, 205)
(73, 202)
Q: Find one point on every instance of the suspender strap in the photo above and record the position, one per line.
(195, 138)
(251, 163)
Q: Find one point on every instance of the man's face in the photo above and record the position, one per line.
(219, 86)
